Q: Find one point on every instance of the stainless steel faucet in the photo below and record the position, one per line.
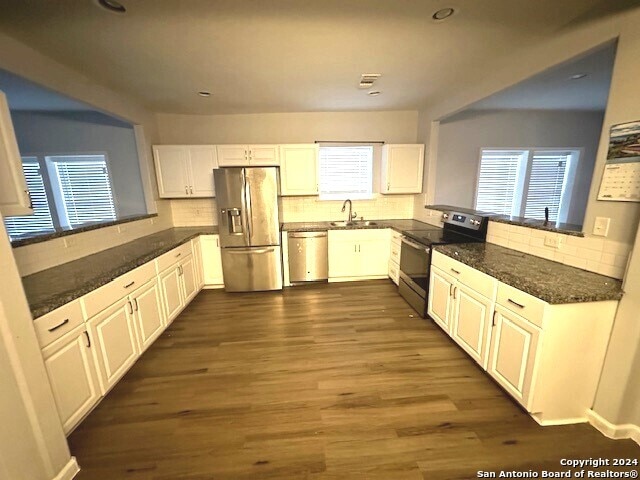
(351, 215)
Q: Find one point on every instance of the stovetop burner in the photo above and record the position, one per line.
(438, 236)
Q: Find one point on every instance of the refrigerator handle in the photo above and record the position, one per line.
(249, 212)
(245, 209)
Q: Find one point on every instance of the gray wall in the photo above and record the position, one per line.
(74, 132)
(464, 135)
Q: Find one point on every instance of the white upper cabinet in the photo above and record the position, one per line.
(248, 155)
(185, 171)
(14, 195)
(299, 169)
(402, 167)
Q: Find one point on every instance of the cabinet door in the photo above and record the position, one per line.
(149, 314)
(14, 197)
(263, 155)
(196, 247)
(72, 374)
(172, 294)
(439, 302)
(211, 260)
(203, 159)
(299, 169)
(514, 346)
(113, 334)
(171, 170)
(402, 167)
(343, 255)
(188, 279)
(471, 324)
(233, 155)
(373, 257)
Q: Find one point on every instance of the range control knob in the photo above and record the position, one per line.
(475, 222)
(445, 216)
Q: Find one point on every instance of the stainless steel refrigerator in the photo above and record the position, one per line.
(249, 226)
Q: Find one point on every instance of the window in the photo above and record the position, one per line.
(346, 172)
(67, 191)
(525, 182)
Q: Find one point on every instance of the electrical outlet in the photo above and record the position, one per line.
(198, 212)
(601, 226)
(552, 241)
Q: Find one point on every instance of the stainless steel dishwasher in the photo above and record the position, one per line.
(308, 257)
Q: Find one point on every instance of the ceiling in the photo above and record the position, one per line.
(554, 89)
(260, 56)
(25, 95)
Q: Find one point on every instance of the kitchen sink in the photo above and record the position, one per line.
(361, 223)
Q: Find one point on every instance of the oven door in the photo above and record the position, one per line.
(415, 260)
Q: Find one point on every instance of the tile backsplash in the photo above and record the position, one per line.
(596, 254)
(193, 212)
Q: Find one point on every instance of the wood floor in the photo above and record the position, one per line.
(337, 381)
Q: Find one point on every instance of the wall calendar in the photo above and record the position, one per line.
(621, 178)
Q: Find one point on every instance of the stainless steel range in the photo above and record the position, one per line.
(415, 255)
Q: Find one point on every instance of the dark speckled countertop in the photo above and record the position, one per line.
(398, 225)
(52, 288)
(552, 282)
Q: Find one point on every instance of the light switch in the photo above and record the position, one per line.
(601, 226)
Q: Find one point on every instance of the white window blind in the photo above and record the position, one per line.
(40, 221)
(546, 183)
(85, 188)
(346, 172)
(498, 179)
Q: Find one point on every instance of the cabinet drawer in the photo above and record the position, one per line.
(396, 237)
(525, 305)
(394, 272)
(166, 260)
(395, 252)
(61, 321)
(475, 279)
(113, 291)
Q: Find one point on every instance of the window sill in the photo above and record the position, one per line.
(36, 238)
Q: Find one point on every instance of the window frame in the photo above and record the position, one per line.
(352, 195)
(522, 189)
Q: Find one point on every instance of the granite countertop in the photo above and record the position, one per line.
(552, 282)
(398, 225)
(52, 288)
(565, 228)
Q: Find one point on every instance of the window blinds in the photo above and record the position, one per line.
(40, 221)
(546, 183)
(85, 188)
(346, 172)
(498, 180)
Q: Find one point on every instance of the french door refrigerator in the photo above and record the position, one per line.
(249, 227)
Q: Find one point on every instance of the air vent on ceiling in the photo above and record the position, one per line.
(367, 79)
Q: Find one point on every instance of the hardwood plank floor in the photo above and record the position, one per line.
(338, 381)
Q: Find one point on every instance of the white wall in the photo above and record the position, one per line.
(390, 127)
(463, 136)
(83, 132)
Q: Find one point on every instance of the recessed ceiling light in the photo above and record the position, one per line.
(443, 14)
(578, 76)
(204, 93)
(374, 93)
(112, 6)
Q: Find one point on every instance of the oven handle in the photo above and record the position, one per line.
(415, 245)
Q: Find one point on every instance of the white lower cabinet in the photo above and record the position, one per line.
(113, 333)
(513, 354)
(529, 347)
(70, 366)
(188, 281)
(172, 295)
(358, 254)
(196, 246)
(211, 260)
(149, 314)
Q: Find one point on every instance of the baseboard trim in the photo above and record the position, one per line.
(617, 432)
(561, 421)
(69, 471)
(355, 279)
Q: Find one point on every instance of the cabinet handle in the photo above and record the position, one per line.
(455, 271)
(493, 321)
(388, 185)
(130, 307)
(180, 270)
(217, 242)
(30, 199)
(64, 322)
(519, 305)
(88, 339)
(191, 190)
(454, 292)
(177, 255)
(186, 190)
(129, 284)
(135, 302)
(359, 248)
(451, 289)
